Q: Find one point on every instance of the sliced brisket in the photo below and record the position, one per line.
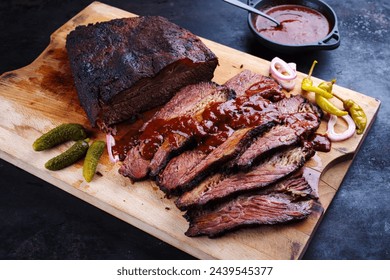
(247, 210)
(298, 103)
(166, 133)
(221, 186)
(200, 162)
(294, 127)
(173, 182)
(248, 83)
(126, 66)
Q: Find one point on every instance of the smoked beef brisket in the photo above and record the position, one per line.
(126, 66)
(183, 108)
(293, 128)
(174, 179)
(222, 186)
(269, 206)
(248, 83)
(171, 181)
(247, 116)
(234, 153)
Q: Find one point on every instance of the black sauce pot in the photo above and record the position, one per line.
(330, 42)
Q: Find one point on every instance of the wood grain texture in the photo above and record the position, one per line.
(41, 96)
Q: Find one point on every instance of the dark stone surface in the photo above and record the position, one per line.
(39, 221)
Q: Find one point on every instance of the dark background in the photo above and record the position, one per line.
(39, 221)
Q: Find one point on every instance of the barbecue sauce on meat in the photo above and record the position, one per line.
(216, 123)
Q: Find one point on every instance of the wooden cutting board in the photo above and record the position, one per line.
(40, 96)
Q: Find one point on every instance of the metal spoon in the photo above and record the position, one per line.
(251, 9)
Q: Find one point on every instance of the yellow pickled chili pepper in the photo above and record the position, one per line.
(328, 86)
(307, 84)
(328, 106)
(357, 113)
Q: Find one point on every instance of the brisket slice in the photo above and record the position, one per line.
(248, 83)
(126, 66)
(298, 104)
(295, 185)
(190, 101)
(221, 186)
(294, 127)
(188, 169)
(248, 210)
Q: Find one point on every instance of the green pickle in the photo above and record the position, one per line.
(59, 135)
(94, 153)
(70, 156)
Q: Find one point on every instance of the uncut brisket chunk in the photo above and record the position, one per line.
(126, 66)
(182, 109)
(247, 210)
(221, 186)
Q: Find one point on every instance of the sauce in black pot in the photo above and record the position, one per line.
(299, 25)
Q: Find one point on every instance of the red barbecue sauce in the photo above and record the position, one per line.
(210, 128)
(299, 25)
(320, 142)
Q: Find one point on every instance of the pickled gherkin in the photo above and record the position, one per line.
(94, 153)
(59, 135)
(70, 156)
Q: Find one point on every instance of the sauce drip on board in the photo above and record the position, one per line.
(299, 25)
(320, 142)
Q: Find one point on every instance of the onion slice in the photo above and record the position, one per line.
(282, 70)
(349, 132)
(284, 73)
(110, 143)
(288, 85)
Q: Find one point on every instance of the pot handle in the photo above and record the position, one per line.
(332, 41)
(251, 3)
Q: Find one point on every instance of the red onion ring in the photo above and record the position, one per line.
(110, 143)
(288, 85)
(284, 67)
(287, 82)
(349, 132)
